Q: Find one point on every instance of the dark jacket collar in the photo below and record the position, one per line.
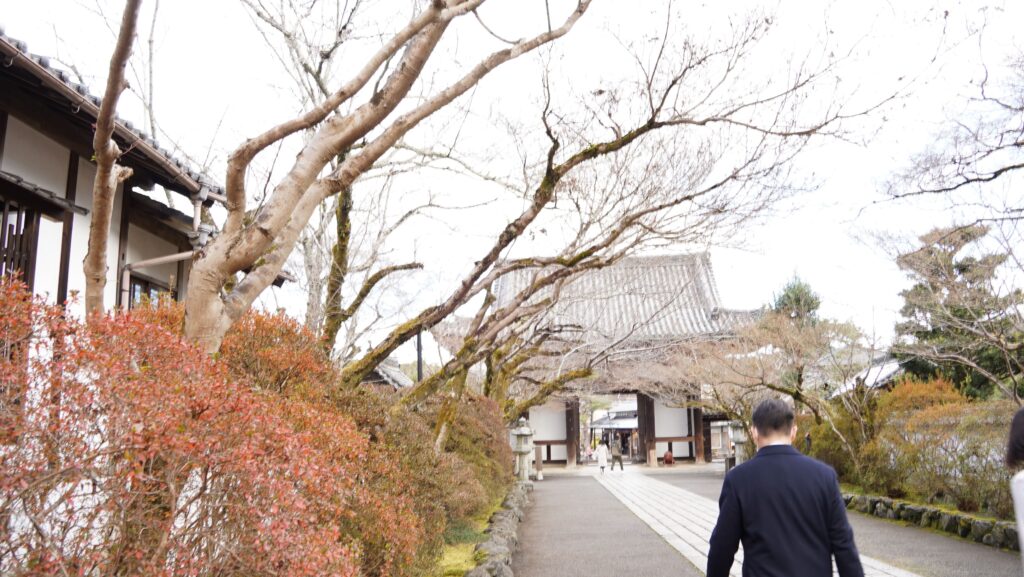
(777, 450)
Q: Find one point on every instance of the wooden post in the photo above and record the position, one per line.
(538, 461)
(572, 432)
(707, 440)
(645, 424)
(697, 414)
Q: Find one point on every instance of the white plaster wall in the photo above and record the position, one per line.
(80, 242)
(34, 157)
(559, 453)
(671, 422)
(679, 450)
(143, 245)
(548, 422)
(47, 274)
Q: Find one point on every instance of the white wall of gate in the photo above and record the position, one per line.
(671, 422)
(548, 424)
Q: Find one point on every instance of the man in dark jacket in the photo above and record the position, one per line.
(784, 507)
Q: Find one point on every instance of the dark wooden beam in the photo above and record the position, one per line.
(3, 133)
(31, 253)
(645, 426)
(686, 439)
(70, 192)
(572, 431)
(51, 207)
(122, 239)
(689, 432)
(698, 426)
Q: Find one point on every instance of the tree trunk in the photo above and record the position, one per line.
(338, 270)
(108, 174)
(449, 410)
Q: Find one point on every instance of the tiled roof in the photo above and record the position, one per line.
(880, 374)
(40, 192)
(657, 298)
(389, 372)
(14, 53)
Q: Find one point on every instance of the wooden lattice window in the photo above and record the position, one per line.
(19, 237)
(144, 289)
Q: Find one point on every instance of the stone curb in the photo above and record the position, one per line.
(1002, 534)
(504, 539)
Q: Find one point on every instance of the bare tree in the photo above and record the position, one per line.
(982, 146)
(774, 356)
(700, 186)
(108, 174)
(269, 237)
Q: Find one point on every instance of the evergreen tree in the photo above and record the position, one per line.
(955, 321)
(797, 301)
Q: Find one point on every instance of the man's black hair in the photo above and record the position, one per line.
(773, 417)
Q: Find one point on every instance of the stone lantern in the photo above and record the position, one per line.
(740, 439)
(522, 447)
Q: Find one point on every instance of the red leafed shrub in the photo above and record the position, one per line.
(395, 520)
(276, 353)
(130, 452)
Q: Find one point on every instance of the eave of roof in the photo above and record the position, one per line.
(15, 53)
(59, 202)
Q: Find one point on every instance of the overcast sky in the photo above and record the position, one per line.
(217, 83)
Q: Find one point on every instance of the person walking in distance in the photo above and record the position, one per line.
(617, 454)
(602, 455)
(1015, 461)
(784, 507)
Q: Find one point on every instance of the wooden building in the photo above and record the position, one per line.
(46, 180)
(647, 307)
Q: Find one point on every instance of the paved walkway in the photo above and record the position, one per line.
(925, 552)
(575, 528)
(685, 519)
(580, 523)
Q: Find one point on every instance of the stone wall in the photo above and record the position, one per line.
(496, 551)
(1001, 534)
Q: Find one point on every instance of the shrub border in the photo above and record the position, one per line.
(1001, 534)
(496, 552)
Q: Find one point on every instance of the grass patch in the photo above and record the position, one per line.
(851, 488)
(457, 560)
(466, 531)
(461, 538)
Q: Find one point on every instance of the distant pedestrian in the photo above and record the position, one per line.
(807, 443)
(668, 459)
(784, 507)
(602, 456)
(617, 455)
(1015, 460)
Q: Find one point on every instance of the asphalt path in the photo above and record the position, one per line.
(911, 548)
(575, 527)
